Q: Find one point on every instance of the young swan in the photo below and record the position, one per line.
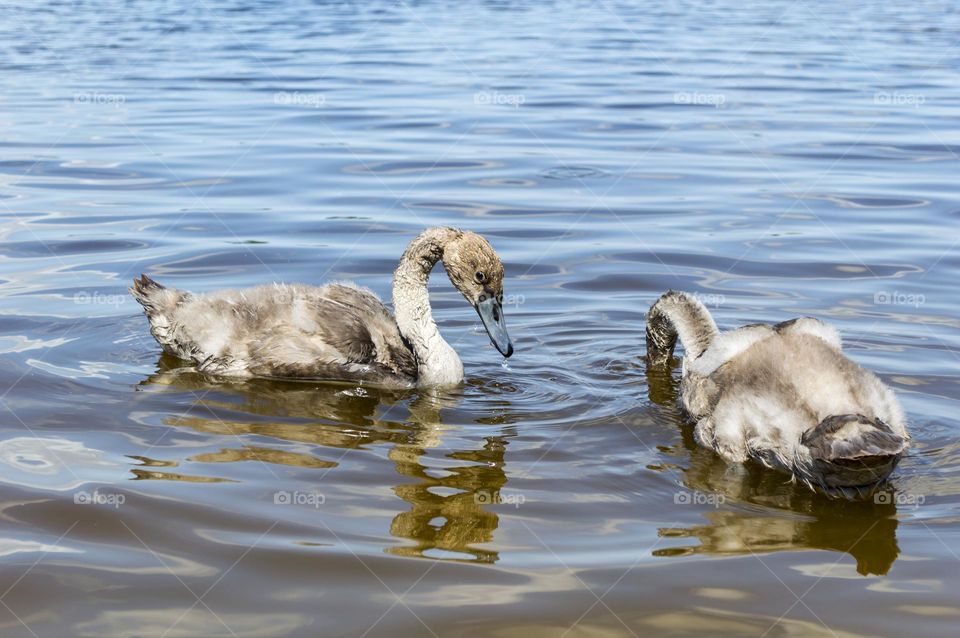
(785, 395)
(335, 331)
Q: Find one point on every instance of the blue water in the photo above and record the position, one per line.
(775, 158)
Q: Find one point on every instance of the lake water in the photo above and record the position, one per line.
(778, 159)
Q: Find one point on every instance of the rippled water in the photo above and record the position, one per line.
(777, 158)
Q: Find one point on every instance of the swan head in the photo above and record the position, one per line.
(477, 272)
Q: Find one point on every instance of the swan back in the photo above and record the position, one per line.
(335, 331)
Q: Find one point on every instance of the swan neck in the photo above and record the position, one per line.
(677, 314)
(437, 362)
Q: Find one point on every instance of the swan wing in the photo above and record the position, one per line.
(336, 331)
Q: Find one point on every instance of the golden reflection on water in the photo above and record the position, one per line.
(449, 522)
(447, 513)
(762, 511)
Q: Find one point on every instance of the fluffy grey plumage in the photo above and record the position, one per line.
(334, 331)
(785, 395)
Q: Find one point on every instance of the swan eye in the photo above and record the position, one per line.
(480, 277)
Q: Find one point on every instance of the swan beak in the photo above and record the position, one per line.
(491, 314)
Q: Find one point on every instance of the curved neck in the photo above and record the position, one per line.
(437, 362)
(678, 314)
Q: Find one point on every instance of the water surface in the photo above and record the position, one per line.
(777, 159)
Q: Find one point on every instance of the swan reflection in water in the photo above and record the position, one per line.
(447, 515)
(782, 516)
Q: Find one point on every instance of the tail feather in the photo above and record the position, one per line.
(160, 305)
(851, 450)
(678, 314)
(156, 298)
(148, 294)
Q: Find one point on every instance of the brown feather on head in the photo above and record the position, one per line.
(473, 265)
(477, 272)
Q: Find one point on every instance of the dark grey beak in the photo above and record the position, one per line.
(491, 314)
